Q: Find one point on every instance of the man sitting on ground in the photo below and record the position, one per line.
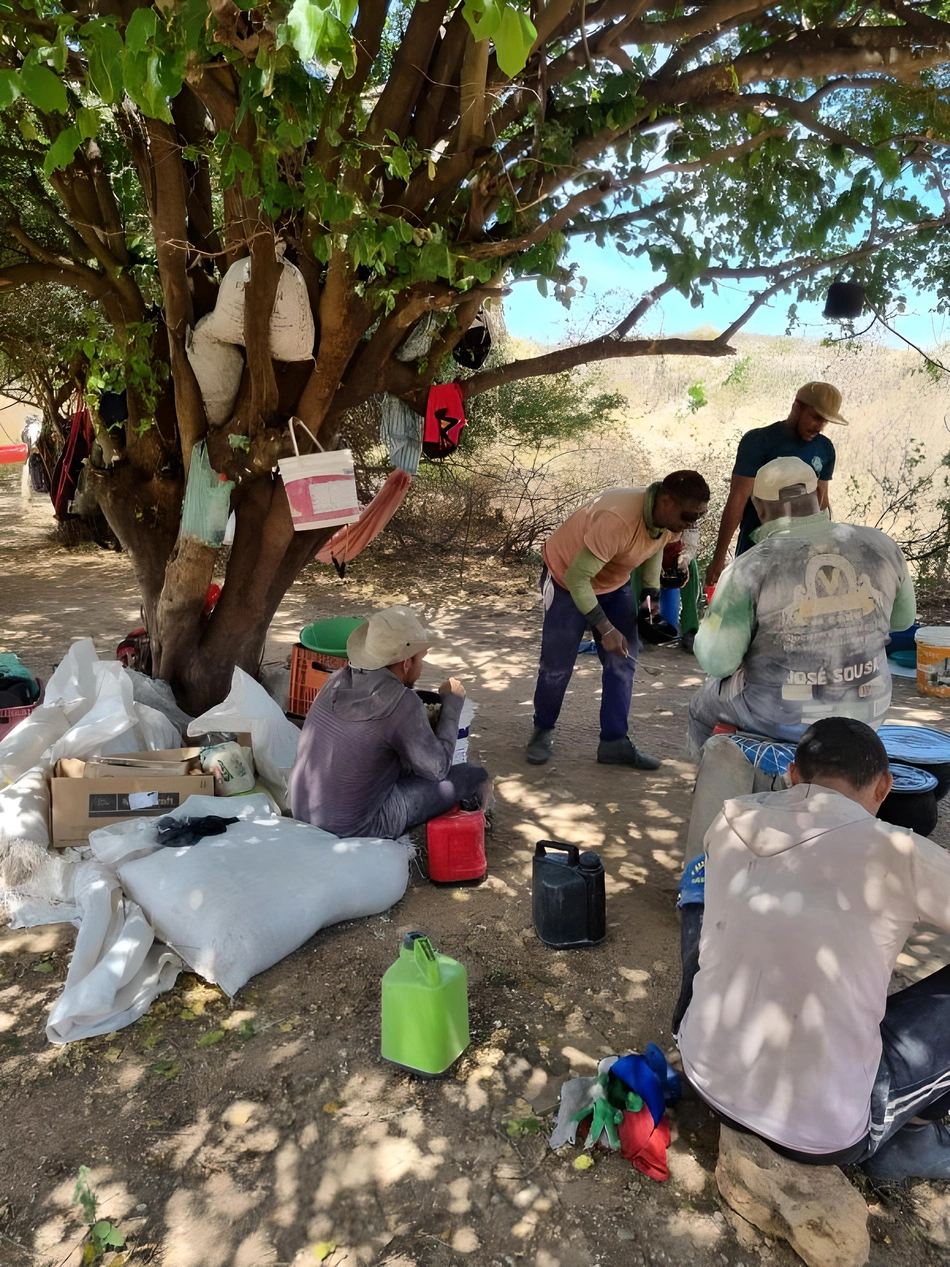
(809, 899)
(798, 625)
(369, 762)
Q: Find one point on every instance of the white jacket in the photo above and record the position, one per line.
(809, 900)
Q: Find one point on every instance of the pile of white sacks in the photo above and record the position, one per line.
(228, 906)
(215, 346)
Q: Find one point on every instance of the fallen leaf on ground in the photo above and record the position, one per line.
(165, 1068)
(584, 1162)
(112, 1054)
(186, 1014)
(323, 1250)
(331, 1106)
(43, 967)
(208, 1040)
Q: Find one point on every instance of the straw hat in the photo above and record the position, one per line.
(388, 637)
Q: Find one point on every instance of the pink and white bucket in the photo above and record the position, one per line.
(320, 487)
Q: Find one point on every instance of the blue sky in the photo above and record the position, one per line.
(615, 282)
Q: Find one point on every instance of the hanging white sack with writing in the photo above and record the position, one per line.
(291, 323)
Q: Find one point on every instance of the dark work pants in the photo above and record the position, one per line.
(414, 800)
(561, 636)
(913, 1079)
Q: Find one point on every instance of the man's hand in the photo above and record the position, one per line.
(615, 643)
(714, 571)
(452, 687)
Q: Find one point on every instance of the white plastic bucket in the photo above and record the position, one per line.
(933, 661)
(320, 487)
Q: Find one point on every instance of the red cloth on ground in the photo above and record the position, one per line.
(352, 538)
(644, 1144)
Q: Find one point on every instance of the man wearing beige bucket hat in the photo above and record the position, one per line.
(369, 762)
(800, 435)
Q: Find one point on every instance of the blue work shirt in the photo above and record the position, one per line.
(763, 444)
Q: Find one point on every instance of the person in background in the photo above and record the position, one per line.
(679, 572)
(798, 627)
(369, 762)
(790, 1033)
(800, 435)
(585, 582)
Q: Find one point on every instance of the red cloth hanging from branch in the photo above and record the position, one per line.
(352, 538)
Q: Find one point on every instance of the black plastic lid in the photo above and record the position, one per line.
(589, 860)
(410, 938)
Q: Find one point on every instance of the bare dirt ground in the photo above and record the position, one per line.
(289, 1134)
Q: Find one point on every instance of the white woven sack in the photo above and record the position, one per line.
(233, 905)
(291, 323)
(218, 367)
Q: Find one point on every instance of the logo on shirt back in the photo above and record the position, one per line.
(831, 588)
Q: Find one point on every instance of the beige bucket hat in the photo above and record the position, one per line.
(825, 400)
(389, 637)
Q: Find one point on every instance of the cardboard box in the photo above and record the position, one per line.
(83, 800)
(168, 761)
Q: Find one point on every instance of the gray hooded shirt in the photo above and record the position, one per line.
(365, 731)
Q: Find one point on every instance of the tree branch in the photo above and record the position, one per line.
(603, 349)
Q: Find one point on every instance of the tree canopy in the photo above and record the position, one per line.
(411, 158)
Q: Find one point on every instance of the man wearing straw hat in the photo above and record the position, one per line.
(369, 762)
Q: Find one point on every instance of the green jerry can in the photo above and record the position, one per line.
(425, 1009)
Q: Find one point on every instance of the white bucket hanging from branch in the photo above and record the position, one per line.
(320, 487)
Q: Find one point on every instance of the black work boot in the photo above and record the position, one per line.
(540, 745)
(623, 752)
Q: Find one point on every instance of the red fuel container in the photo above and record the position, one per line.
(457, 846)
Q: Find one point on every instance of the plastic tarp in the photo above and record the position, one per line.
(274, 739)
(89, 710)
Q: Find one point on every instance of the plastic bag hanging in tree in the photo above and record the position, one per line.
(475, 344)
(320, 487)
(207, 503)
(445, 418)
(418, 342)
(401, 432)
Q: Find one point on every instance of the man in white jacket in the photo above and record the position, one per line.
(809, 899)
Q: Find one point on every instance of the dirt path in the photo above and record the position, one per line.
(253, 1150)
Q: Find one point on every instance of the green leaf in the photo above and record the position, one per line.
(888, 162)
(208, 1040)
(142, 27)
(246, 1029)
(60, 153)
(88, 122)
(244, 443)
(754, 123)
(40, 86)
(9, 88)
(44, 967)
(165, 1068)
(104, 49)
(305, 27)
(108, 1235)
(323, 1249)
(321, 248)
(513, 39)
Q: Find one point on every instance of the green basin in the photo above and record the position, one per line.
(328, 637)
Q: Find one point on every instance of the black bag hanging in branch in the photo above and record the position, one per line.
(475, 344)
(445, 419)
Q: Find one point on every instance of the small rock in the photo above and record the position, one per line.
(814, 1208)
(933, 1210)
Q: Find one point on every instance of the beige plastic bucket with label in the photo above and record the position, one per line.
(933, 661)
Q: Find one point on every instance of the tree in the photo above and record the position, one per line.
(410, 156)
